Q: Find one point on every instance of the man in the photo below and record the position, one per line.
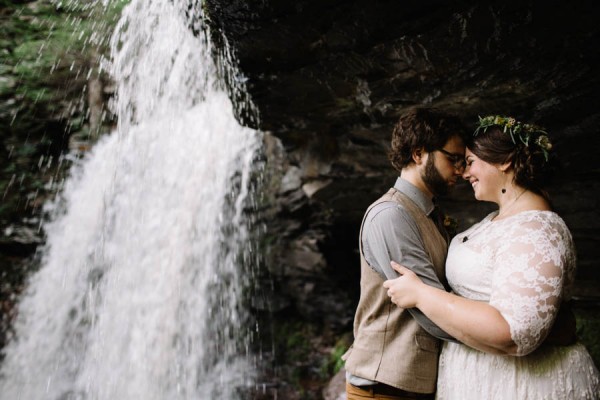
(395, 351)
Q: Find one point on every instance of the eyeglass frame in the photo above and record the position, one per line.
(457, 160)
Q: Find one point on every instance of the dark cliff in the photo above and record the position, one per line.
(331, 77)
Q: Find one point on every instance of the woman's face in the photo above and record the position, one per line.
(486, 179)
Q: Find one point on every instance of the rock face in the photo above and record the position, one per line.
(331, 77)
(51, 105)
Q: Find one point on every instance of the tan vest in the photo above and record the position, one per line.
(389, 346)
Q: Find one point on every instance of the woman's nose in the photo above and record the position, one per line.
(466, 174)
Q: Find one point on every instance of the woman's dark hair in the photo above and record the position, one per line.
(426, 128)
(531, 166)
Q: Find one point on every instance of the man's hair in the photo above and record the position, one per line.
(426, 128)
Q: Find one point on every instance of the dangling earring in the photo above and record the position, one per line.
(503, 189)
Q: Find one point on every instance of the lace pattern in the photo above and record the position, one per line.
(551, 373)
(524, 266)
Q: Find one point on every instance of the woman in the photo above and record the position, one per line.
(509, 273)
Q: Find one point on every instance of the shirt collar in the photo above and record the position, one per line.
(415, 194)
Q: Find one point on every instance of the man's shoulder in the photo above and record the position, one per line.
(387, 212)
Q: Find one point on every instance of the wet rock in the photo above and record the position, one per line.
(20, 241)
(311, 188)
(292, 180)
(336, 387)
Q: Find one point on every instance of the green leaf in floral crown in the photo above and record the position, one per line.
(516, 128)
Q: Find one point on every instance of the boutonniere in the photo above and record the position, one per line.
(451, 225)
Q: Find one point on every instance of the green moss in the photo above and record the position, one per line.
(294, 343)
(334, 363)
(47, 53)
(588, 326)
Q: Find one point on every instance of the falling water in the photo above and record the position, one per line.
(138, 296)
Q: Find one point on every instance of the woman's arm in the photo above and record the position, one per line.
(476, 324)
(531, 263)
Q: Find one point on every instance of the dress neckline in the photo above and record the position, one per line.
(493, 214)
(487, 222)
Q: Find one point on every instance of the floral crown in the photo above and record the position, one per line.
(517, 129)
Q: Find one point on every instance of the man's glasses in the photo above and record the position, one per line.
(458, 160)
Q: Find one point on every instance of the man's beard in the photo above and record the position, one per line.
(436, 184)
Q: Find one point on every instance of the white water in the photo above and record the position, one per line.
(138, 296)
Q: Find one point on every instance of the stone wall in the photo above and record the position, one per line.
(331, 77)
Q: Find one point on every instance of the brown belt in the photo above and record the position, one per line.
(387, 390)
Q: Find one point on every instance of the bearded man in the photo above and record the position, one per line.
(395, 351)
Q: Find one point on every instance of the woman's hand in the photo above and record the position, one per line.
(404, 291)
(477, 324)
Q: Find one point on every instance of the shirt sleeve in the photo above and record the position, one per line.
(390, 233)
(528, 280)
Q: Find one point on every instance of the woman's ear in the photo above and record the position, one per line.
(504, 167)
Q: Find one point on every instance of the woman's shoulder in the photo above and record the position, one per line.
(539, 233)
(544, 217)
(549, 222)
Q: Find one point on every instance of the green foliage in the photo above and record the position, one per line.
(306, 354)
(516, 129)
(45, 45)
(334, 363)
(588, 326)
(49, 48)
(293, 340)
(48, 51)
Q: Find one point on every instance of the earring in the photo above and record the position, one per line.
(503, 190)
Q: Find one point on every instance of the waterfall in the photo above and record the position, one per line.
(139, 291)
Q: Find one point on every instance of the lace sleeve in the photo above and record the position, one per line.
(528, 279)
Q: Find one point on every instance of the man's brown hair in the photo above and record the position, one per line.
(421, 127)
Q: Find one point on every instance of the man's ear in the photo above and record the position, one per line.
(418, 155)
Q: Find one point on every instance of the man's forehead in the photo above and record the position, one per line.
(455, 144)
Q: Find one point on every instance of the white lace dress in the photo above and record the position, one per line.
(524, 266)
